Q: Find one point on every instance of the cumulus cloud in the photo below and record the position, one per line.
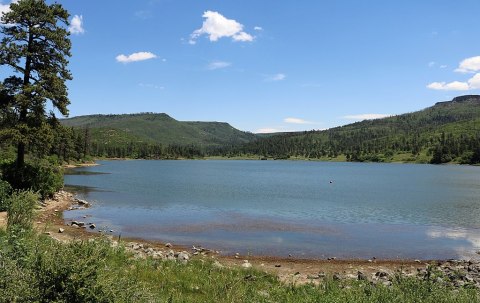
(366, 116)
(76, 25)
(218, 65)
(474, 82)
(455, 85)
(216, 26)
(469, 65)
(296, 121)
(5, 8)
(140, 56)
(276, 77)
(258, 28)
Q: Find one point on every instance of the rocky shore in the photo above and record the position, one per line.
(452, 273)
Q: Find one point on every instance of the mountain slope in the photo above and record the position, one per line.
(448, 131)
(157, 129)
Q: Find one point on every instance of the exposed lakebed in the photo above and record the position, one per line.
(306, 209)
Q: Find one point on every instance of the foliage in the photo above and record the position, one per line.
(49, 271)
(94, 271)
(40, 176)
(149, 135)
(446, 132)
(5, 190)
(35, 46)
(20, 210)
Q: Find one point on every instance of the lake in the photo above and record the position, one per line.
(304, 208)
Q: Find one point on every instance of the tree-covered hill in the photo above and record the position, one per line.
(153, 135)
(446, 132)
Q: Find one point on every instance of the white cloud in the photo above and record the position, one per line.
(76, 25)
(474, 82)
(296, 121)
(5, 8)
(140, 56)
(469, 65)
(455, 85)
(267, 130)
(216, 26)
(366, 116)
(218, 65)
(443, 66)
(431, 64)
(276, 77)
(258, 28)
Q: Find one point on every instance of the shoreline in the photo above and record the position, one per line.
(258, 158)
(78, 165)
(49, 221)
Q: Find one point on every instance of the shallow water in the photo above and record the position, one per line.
(307, 209)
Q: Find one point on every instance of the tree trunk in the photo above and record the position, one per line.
(23, 114)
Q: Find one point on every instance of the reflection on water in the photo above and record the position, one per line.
(81, 190)
(78, 172)
(471, 236)
(289, 207)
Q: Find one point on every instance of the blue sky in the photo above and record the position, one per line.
(271, 65)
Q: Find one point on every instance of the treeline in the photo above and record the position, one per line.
(362, 146)
(446, 132)
(355, 144)
(74, 144)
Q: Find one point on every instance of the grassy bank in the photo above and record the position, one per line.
(36, 268)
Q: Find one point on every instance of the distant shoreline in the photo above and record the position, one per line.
(257, 158)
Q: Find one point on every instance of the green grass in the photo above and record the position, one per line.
(36, 268)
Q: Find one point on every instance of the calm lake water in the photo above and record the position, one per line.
(306, 209)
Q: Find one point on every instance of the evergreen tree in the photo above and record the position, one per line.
(35, 45)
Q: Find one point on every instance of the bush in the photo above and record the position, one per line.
(5, 190)
(41, 176)
(80, 271)
(20, 210)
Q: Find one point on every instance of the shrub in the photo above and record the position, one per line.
(41, 176)
(20, 210)
(80, 271)
(5, 190)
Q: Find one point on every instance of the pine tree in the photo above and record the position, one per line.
(35, 45)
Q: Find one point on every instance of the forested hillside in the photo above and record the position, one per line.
(149, 135)
(446, 132)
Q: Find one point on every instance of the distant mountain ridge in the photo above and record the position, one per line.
(461, 99)
(157, 128)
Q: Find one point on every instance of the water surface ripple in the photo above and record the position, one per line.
(307, 209)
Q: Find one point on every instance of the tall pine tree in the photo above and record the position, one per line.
(36, 46)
